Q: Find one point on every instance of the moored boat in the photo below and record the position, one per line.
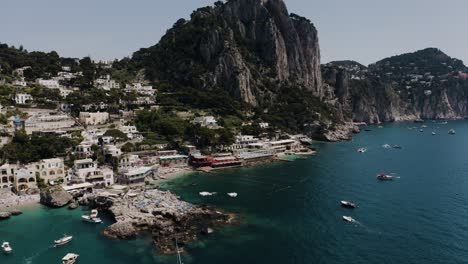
(92, 218)
(396, 147)
(348, 218)
(362, 150)
(6, 247)
(452, 132)
(348, 204)
(70, 258)
(384, 177)
(233, 194)
(62, 241)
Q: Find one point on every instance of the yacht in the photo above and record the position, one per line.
(384, 177)
(62, 241)
(6, 247)
(233, 194)
(348, 219)
(70, 258)
(92, 218)
(348, 204)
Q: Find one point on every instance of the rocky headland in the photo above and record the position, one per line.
(161, 213)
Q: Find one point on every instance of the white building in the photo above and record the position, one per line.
(263, 125)
(51, 84)
(47, 122)
(23, 98)
(98, 118)
(21, 82)
(137, 175)
(106, 83)
(206, 121)
(20, 71)
(112, 150)
(86, 170)
(140, 89)
(83, 150)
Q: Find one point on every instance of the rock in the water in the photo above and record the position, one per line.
(4, 215)
(16, 212)
(73, 205)
(121, 230)
(55, 197)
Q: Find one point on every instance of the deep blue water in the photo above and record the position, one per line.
(290, 210)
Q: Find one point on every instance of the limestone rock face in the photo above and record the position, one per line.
(247, 47)
(55, 197)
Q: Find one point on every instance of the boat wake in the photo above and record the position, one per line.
(30, 259)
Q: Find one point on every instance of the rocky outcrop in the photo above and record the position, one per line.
(5, 215)
(162, 214)
(249, 48)
(121, 230)
(55, 197)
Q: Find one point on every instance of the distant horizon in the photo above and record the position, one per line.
(365, 31)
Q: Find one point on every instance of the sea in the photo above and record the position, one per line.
(290, 211)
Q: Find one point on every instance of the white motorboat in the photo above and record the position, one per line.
(348, 204)
(452, 132)
(206, 193)
(92, 218)
(233, 194)
(6, 247)
(433, 133)
(70, 258)
(362, 150)
(348, 219)
(62, 241)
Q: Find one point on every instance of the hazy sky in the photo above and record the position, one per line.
(362, 30)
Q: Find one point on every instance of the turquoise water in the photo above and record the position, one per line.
(290, 210)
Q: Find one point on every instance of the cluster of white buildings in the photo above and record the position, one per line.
(24, 177)
(106, 83)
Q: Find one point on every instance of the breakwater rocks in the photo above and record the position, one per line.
(55, 197)
(162, 214)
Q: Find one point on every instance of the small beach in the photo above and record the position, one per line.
(9, 200)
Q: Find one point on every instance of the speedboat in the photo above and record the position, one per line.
(362, 150)
(348, 218)
(384, 177)
(452, 132)
(233, 194)
(6, 247)
(92, 218)
(62, 241)
(206, 193)
(70, 258)
(348, 204)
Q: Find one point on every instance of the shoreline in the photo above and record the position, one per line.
(10, 201)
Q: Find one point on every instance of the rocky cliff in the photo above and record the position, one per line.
(249, 48)
(426, 84)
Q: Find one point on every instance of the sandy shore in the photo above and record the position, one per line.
(166, 174)
(10, 201)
